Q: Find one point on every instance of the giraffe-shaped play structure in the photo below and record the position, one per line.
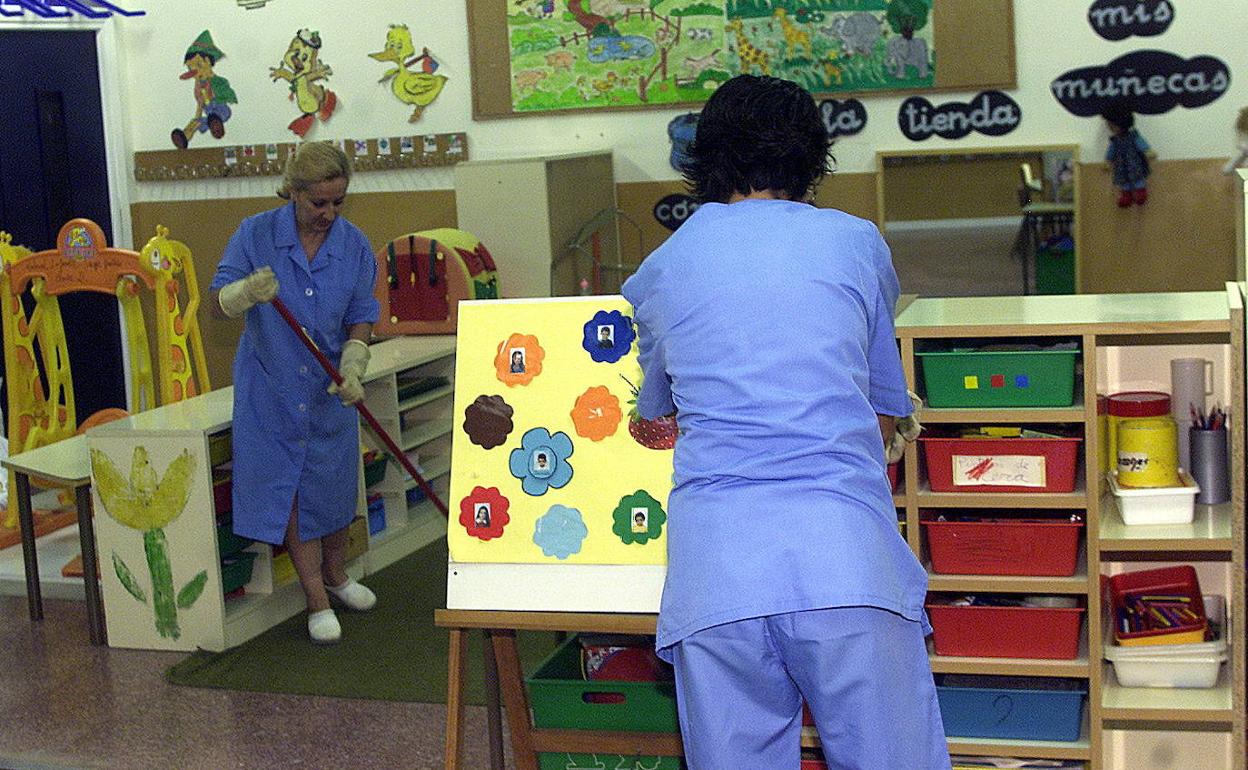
(35, 350)
(749, 54)
(794, 36)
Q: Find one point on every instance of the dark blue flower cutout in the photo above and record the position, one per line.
(541, 462)
(609, 336)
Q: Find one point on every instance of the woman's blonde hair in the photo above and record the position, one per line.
(314, 162)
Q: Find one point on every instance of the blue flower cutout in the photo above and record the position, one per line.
(609, 336)
(542, 461)
(560, 532)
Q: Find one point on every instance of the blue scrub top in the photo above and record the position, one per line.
(290, 435)
(767, 325)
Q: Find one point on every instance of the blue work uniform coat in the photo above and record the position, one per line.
(292, 437)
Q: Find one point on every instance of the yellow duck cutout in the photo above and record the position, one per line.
(302, 68)
(418, 89)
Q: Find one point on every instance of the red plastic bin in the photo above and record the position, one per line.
(1053, 471)
(1040, 547)
(894, 475)
(1050, 633)
(814, 764)
(1179, 580)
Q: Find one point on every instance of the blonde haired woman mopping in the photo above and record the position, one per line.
(295, 435)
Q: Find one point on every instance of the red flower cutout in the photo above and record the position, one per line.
(484, 513)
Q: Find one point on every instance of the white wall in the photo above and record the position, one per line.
(1052, 36)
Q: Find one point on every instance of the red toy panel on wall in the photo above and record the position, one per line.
(421, 277)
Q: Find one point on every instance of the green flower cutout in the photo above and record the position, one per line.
(638, 518)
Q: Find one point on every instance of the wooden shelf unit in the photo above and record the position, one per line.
(416, 423)
(1103, 325)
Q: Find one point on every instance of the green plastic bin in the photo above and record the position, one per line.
(1000, 378)
(1055, 270)
(374, 471)
(560, 698)
(236, 570)
(229, 543)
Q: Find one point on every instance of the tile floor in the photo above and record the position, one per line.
(65, 704)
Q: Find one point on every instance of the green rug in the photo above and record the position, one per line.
(393, 652)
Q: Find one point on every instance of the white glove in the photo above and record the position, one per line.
(908, 429)
(238, 297)
(354, 363)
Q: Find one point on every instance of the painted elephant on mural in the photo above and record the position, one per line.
(904, 52)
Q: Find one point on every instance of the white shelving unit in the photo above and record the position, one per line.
(421, 425)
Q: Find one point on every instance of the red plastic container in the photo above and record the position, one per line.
(222, 501)
(894, 475)
(1180, 580)
(1033, 464)
(1041, 547)
(1050, 633)
(814, 764)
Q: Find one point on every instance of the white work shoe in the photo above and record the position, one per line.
(323, 627)
(353, 595)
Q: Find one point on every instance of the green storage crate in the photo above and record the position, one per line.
(563, 761)
(1001, 378)
(560, 698)
(229, 543)
(236, 570)
(1055, 270)
(374, 471)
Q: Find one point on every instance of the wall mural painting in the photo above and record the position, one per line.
(569, 54)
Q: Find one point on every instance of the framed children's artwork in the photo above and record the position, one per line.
(558, 488)
(538, 56)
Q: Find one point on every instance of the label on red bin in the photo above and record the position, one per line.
(999, 471)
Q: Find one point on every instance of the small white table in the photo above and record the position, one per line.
(67, 463)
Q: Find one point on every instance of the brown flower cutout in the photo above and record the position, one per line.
(487, 421)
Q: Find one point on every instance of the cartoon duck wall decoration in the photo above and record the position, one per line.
(301, 68)
(418, 89)
(213, 95)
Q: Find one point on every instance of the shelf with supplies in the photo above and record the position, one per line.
(408, 387)
(1003, 391)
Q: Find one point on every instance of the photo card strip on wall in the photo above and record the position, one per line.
(558, 487)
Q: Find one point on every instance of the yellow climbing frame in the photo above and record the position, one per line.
(35, 351)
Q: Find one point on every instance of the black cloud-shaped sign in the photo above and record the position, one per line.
(1151, 82)
(673, 210)
(991, 113)
(843, 118)
(1120, 19)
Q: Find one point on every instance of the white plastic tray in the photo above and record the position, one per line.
(1162, 505)
(1174, 665)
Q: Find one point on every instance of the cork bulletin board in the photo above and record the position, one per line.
(670, 56)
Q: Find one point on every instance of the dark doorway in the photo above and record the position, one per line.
(52, 169)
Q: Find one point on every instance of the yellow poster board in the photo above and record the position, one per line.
(548, 468)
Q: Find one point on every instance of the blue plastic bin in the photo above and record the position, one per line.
(1014, 707)
(376, 515)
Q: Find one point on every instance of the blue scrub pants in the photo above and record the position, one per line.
(864, 672)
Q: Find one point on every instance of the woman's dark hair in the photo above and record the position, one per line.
(757, 133)
(1119, 113)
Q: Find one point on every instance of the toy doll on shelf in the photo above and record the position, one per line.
(1128, 154)
(1241, 156)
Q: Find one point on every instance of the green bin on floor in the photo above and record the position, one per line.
(560, 698)
(1055, 270)
(1000, 378)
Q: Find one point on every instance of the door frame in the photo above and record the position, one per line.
(116, 146)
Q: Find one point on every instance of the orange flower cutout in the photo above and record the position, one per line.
(519, 360)
(596, 414)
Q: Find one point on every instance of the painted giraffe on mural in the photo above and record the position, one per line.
(749, 53)
(794, 36)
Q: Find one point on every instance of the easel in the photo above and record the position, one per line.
(505, 678)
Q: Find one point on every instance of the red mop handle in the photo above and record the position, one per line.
(336, 376)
